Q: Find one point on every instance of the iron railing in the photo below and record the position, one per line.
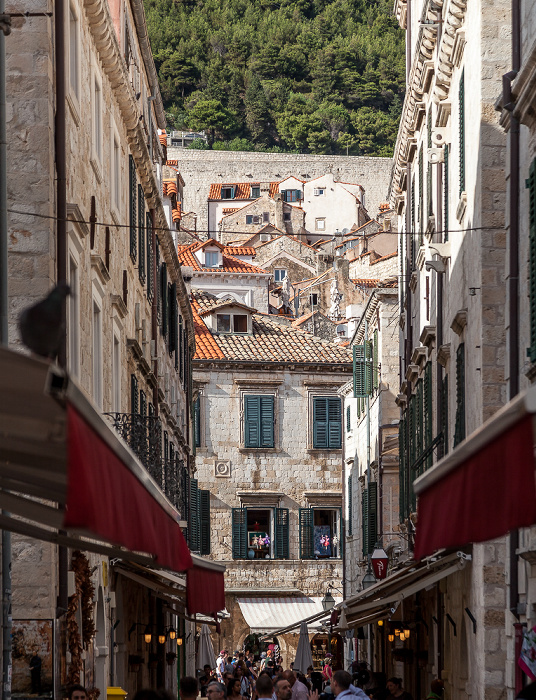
(143, 434)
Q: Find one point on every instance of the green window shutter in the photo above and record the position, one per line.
(320, 423)
(364, 520)
(446, 193)
(194, 520)
(412, 254)
(239, 527)
(164, 298)
(531, 352)
(350, 507)
(362, 364)
(281, 544)
(461, 115)
(141, 234)
(459, 428)
(204, 521)
(259, 421)
(375, 363)
(402, 469)
(372, 513)
(444, 411)
(132, 205)
(306, 533)
(150, 260)
(334, 423)
(348, 419)
(428, 401)
(134, 405)
(197, 421)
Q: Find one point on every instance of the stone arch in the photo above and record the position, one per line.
(229, 296)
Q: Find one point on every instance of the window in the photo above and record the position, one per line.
(240, 323)
(369, 517)
(116, 173)
(461, 115)
(237, 322)
(227, 192)
(260, 533)
(459, 428)
(132, 206)
(313, 299)
(326, 423)
(212, 258)
(320, 530)
(319, 191)
(258, 421)
(97, 119)
(141, 234)
(255, 191)
(266, 217)
(134, 395)
(197, 421)
(97, 354)
(320, 224)
(279, 274)
(223, 323)
(292, 195)
(74, 52)
(73, 301)
(286, 216)
(251, 219)
(348, 418)
(349, 498)
(446, 192)
(116, 374)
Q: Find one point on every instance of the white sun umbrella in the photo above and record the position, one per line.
(205, 650)
(304, 657)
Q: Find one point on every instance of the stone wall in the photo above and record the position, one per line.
(201, 168)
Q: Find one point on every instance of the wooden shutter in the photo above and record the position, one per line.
(150, 260)
(141, 234)
(421, 195)
(267, 421)
(459, 428)
(531, 183)
(180, 354)
(428, 401)
(194, 520)
(461, 126)
(349, 526)
(372, 512)
(176, 318)
(375, 364)
(258, 421)
(348, 419)
(362, 361)
(134, 404)
(204, 522)
(306, 533)
(444, 415)
(239, 533)
(402, 468)
(364, 520)
(429, 210)
(164, 298)
(334, 423)
(132, 205)
(446, 193)
(320, 423)
(412, 255)
(173, 330)
(281, 544)
(143, 403)
(197, 421)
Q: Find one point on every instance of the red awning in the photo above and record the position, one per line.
(104, 497)
(485, 487)
(205, 591)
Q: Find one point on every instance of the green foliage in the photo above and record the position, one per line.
(319, 76)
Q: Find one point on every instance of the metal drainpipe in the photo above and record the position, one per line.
(513, 280)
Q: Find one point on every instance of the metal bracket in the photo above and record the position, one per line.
(472, 618)
(449, 618)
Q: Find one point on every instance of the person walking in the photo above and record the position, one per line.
(233, 689)
(394, 686)
(342, 687)
(264, 687)
(327, 671)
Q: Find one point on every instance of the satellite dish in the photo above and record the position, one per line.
(345, 231)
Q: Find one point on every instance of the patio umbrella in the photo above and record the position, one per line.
(304, 657)
(205, 650)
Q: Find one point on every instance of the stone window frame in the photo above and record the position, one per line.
(97, 125)
(115, 172)
(200, 387)
(74, 252)
(256, 388)
(74, 91)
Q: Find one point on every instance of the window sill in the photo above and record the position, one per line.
(319, 450)
(247, 450)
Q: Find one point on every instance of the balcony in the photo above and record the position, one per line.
(143, 434)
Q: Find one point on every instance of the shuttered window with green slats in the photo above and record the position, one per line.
(194, 517)
(362, 366)
(459, 428)
(421, 194)
(412, 253)
(164, 298)
(429, 210)
(348, 419)
(369, 517)
(402, 470)
(204, 522)
(428, 424)
(143, 403)
(258, 421)
(531, 184)
(306, 533)
(141, 234)
(375, 362)
(444, 414)
(239, 533)
(326, 423)
(197, 421)
(281, 539)
(134, 404)
(132, 184)
(446, 193)
(461, 127)
(350, 496)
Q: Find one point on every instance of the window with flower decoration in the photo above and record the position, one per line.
(320, 533)
(260, 533)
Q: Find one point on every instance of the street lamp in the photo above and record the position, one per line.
(328, 601)
(368, 579)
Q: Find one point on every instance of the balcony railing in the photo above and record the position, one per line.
(143, 434)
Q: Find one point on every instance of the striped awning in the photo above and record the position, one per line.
(268, 614)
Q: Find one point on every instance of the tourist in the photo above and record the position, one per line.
(220, 664)
(264, 687)
(216, 691)
(283, 689)
(327, 671)
(299, 690)
(229, 666)
(77, 692)
(342, 687)
(394, 686)
(436, 690)
(233, 689)
(315, 678)
(205, 679)
(188, 688)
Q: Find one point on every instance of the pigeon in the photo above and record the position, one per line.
(41, 325)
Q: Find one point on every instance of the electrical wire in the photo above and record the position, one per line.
(113, 224)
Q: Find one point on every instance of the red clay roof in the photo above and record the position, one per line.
(390, 282)
(239, 250)
(170, 187)
(385, 257)
(242, 189)
(269, 342)
(229, 263)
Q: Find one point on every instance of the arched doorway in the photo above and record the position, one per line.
(257, 643)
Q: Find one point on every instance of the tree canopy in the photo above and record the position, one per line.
(314, 76)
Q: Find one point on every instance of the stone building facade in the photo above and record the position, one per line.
(130, 333)
(277, 473)
(199, 168)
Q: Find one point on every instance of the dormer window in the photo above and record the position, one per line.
(212, 258)
(227, 192)
(232, 323)
(255, 191)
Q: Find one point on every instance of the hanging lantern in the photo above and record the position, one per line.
(161, 638)
(379, 561)
(391, 637)
(380, 623)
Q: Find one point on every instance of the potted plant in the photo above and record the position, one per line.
(170, 658)
(135, 661)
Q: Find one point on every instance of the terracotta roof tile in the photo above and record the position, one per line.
(242, 189)
(230, 264)
(170, 187)
(385, 257)
(269, 342)
(372, 283)
(239, 250)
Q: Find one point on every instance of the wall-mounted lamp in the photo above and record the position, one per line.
(161, 638)
(147, 634)
(380, 623)
(179, 641)
(391, 637)
(172, 632)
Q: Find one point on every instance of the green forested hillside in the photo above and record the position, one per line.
(316, 76)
